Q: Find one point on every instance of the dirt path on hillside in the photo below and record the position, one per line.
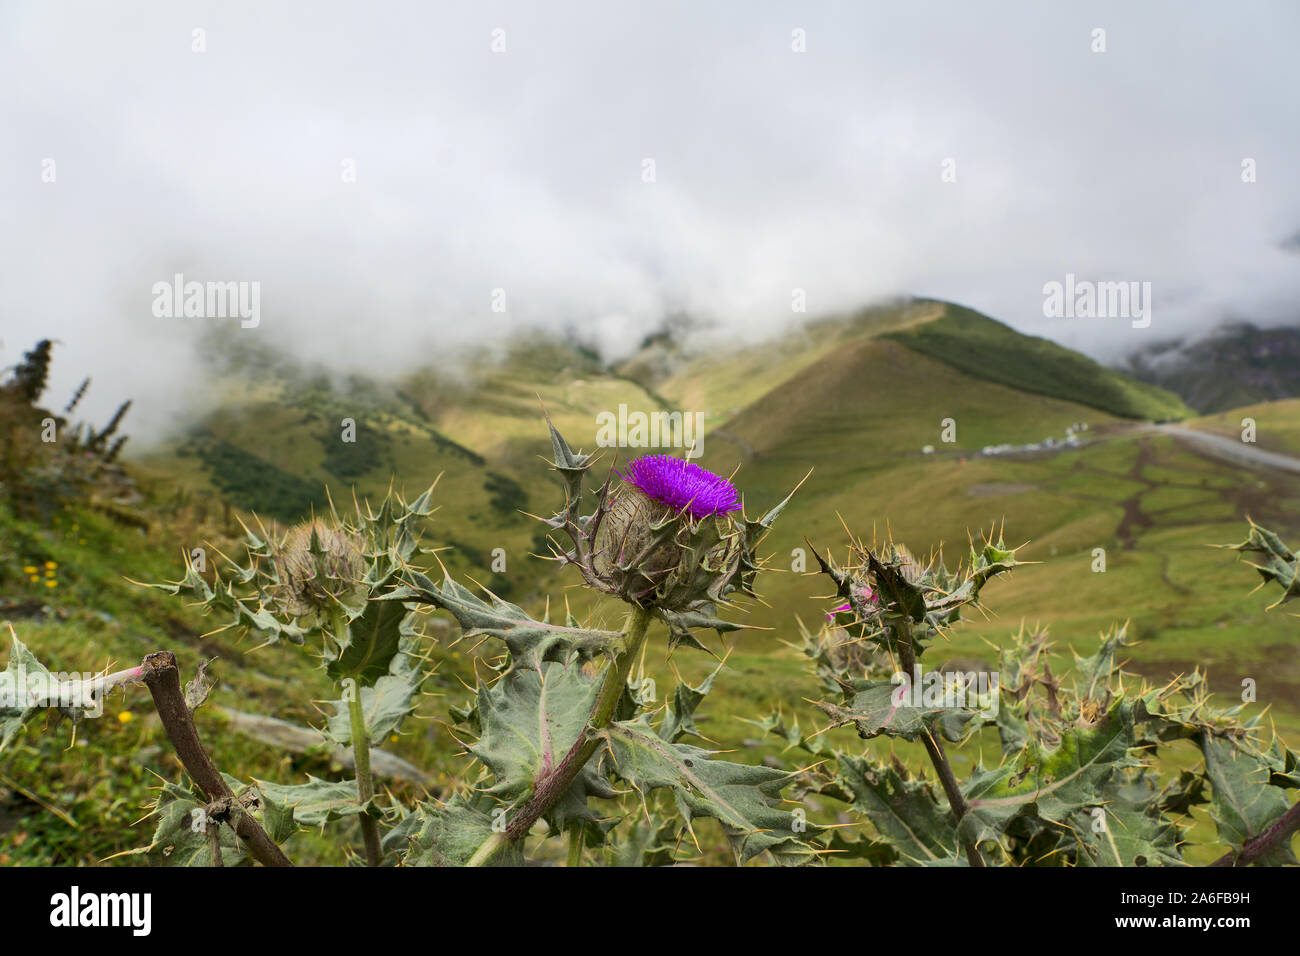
(1134, 518)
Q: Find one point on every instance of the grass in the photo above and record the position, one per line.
(721, 383)
(856, 399)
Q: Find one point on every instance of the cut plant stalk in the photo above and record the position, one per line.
(162, 678)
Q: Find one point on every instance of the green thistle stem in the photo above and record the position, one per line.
(576, 833)
(616, 676)
(548, 789)
(360, 751)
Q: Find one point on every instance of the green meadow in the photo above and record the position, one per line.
(853, 406)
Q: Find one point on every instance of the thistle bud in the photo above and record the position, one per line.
(316, 567)
(630, 536)
(882, 589)
(863, 603)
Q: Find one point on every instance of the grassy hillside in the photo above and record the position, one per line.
(859, 417)
(722, 381)
(855, 398)
(984, 348)
(279, 450)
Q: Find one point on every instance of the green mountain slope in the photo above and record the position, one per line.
(859, 417)
(720, 379)
(984, 348)
(278, 448)
(855, 398)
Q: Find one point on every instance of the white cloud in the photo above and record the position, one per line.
(522, 170)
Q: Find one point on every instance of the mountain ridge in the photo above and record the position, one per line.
(1237, 364)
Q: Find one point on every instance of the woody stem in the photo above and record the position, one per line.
(934, 747)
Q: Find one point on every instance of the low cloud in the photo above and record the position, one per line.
(518, 178)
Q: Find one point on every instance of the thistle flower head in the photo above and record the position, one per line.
(317, 565)
(682, 486)
(667, 535)
(660, 548)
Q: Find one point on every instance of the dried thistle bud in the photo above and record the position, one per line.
(317, 566)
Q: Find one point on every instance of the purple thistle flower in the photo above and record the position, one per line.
(681, 484)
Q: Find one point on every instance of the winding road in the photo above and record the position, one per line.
(1230, 449)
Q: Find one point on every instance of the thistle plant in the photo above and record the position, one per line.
(561, 745)
(318, 584)
(665, 539)
(555, 732)
(900, 606)
(1076, 780)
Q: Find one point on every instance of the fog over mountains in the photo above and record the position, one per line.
(389, 174)
(1235, 365)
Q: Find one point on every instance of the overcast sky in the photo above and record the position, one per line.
(524, 170)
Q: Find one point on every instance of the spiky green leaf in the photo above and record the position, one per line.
(745, 799)
(317, 801)
(530, 641)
